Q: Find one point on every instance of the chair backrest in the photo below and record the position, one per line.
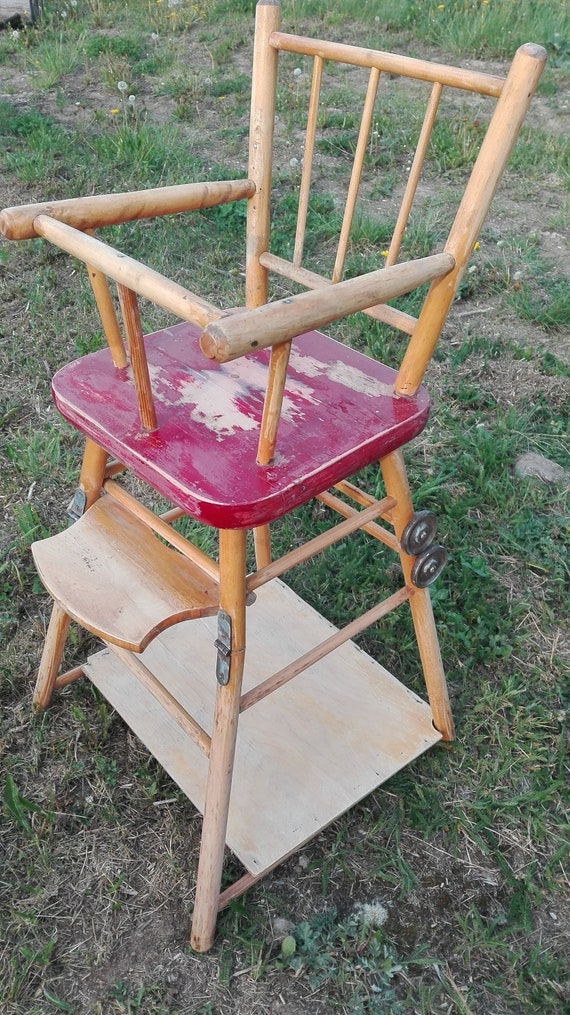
(453, 93)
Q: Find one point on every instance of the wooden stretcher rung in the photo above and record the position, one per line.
(324, 648)
(357, 520)
(68, 677)
(112, 575)
(372, 528)
(162, 695)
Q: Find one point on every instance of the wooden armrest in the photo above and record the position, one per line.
(127, 271)
(109, 209)
(243, 332)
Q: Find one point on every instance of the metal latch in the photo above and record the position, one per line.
(77, 507)
(223, 643)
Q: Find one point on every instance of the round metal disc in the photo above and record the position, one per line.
(428, 566)
(419, 533)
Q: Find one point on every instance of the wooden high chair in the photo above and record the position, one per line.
(271, 720)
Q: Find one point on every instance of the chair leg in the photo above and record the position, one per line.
(262, 542)
(91, 481)
(222, 749)
(51, 657)
(396, 483)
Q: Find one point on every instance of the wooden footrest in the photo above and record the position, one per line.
(305, 754)
(117, 579)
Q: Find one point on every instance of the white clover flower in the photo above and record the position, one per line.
(122, 86)
(154, 36)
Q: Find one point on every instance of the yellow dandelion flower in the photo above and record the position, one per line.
(114, 112)
(476, 245)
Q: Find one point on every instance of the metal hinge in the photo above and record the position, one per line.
(77, 507)
(223, 643)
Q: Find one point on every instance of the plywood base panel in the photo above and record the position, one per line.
(306, 753)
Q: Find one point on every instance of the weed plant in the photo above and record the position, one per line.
(464, 852)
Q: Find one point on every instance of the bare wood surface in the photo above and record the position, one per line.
(373, 529)
(324, 649)
(51, 657)
(305, 754)
(93, 471)
(262, 542)
(307, 161)
(69, 676)
(115, 578)
(139, 365)
(414, 174)
(392, 63)
(260, 158)
(396, 483)
(108, 316)
(240, 333)
(129, 272)
(354, 184)
(100, 210)
(273, 401)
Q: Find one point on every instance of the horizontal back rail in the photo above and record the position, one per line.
(237, 334)
(312, 280)
(391, 63)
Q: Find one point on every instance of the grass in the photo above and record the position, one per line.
(465, 850)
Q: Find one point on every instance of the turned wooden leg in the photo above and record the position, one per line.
(262, 541)
(51, 657)
(396, 482)
(222, 750)
(90, 481)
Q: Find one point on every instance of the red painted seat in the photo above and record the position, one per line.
(339, 415)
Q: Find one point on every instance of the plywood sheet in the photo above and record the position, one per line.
(305, 754)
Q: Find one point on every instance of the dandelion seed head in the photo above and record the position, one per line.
(372, 914)
(122, 86)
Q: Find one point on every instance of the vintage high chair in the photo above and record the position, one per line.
(236, 418)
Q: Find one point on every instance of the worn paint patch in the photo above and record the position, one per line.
(227, 399)
(342, 373)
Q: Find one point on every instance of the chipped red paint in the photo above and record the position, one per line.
(339, 414)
